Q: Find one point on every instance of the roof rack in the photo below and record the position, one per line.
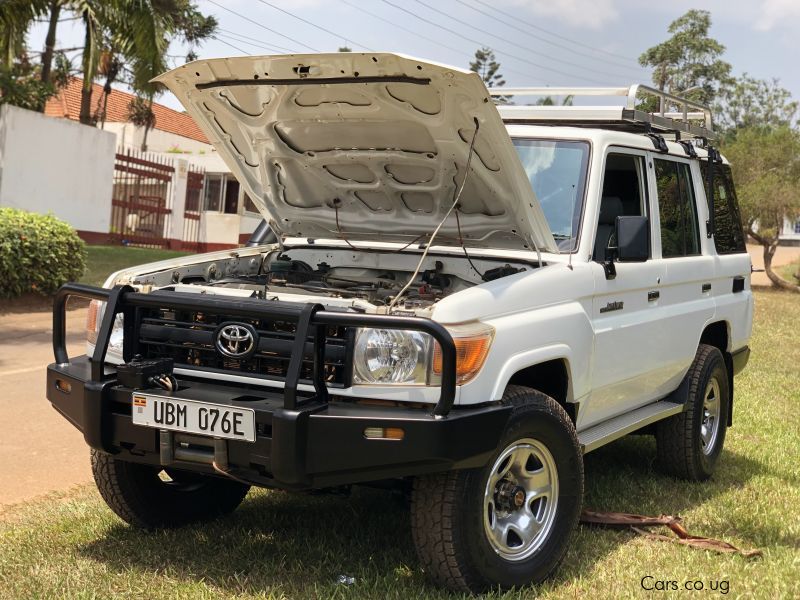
(675, 115)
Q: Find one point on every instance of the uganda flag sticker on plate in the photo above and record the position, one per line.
(140, 402)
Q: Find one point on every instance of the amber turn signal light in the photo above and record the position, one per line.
(472, 347)
(92, 316)
(384, 433)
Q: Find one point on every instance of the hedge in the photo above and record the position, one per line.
(38, 253)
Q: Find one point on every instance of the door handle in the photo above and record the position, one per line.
(706, 287)
(655, 295)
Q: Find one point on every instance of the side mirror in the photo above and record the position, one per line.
(633, 239)
(633, 243)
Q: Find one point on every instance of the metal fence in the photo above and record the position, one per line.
(141, 205)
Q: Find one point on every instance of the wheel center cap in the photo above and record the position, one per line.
(510, 496)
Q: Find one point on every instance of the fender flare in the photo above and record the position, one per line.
(531, 358)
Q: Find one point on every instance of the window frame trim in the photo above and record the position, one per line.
(649, 191)
(587, 179)
(701, 219)
(732, 202)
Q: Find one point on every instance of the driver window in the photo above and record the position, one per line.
(624, 194)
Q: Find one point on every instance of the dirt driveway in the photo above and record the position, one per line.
(41, 451)
(783, 256)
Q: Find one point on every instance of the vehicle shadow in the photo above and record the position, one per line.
(299, 545)
(36, 303)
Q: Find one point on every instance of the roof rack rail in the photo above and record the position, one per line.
(674, 115)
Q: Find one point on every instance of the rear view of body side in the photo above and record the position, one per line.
(706, 289)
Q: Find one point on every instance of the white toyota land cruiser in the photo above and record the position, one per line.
(463, 298)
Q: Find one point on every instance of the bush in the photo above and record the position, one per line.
(38, 253)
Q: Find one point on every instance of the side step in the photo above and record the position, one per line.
(612, 429)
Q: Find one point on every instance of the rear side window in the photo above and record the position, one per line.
(728, 233)
(680, 234)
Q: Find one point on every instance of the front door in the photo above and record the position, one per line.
(625, 309)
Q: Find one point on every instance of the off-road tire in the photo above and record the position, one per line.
(447, 509)
(678, 438)
(138, 495)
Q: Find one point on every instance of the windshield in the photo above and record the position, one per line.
(557, 172)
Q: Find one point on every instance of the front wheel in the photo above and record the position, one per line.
(151, 497)
(509, 523)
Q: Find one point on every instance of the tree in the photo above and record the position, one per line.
(126, 40)
(16, 17)
(140, 113)
(487, 67)
(549, 101)
(767, 176)
(21, 86)
(750, 102)
(20, 81)
(688, 63)
(50, 40)
(345, 49)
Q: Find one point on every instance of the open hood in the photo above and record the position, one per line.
(364, 147)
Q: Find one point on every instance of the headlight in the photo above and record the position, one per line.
(94, 319)
(391, 356)
(114, 353)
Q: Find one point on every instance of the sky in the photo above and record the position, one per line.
(537, 42)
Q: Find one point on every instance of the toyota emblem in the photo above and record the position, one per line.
(235, 340)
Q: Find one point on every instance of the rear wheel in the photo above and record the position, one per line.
(153, 497)
(690, 443)
(507, 524)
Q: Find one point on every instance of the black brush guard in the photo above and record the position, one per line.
(303, 440)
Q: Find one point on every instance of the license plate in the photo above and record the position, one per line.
(191, 416)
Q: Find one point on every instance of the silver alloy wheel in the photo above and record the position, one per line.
(709, 427)
(520, 500)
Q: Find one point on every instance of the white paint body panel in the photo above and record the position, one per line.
(616, 361)
(373, 145)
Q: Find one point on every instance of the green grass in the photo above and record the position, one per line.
(279, 545)
(788, 271)
(104, 260)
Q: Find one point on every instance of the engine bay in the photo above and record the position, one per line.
(363, 280)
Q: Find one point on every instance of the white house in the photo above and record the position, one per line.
(228, 217)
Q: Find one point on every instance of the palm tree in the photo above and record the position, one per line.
(94, 14)
(15, 19)
(50, 39)
(134, 34)
(19, 82)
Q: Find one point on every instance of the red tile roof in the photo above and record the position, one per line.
(67, 104)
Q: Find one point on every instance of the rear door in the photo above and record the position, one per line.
(688, 288)
(731, 287)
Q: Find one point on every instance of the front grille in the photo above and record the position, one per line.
(188, 337)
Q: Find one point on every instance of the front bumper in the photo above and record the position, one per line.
(318, 444)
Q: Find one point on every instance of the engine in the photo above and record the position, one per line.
(363, 280)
